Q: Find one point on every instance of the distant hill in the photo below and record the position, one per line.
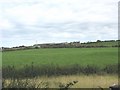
(97, 44)
(107, 43)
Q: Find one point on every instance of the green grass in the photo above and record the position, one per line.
(61, 56)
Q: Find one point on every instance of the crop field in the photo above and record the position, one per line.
(61, 56)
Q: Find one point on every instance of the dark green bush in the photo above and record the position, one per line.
(31, 71)
(111, 69)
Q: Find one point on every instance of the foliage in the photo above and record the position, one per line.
(34, 71)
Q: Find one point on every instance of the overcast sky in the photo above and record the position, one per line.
(23, 22)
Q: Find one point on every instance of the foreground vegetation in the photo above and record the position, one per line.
(72, 81)
(35, 71)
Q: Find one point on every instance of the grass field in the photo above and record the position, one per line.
(62, 56)
(48, 77)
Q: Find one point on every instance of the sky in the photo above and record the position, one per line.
(27, 22)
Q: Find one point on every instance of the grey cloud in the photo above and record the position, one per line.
(59, 31)
(46, 30)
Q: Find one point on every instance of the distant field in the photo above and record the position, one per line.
(103, 43)
(61, 56)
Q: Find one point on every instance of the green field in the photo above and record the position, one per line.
(61, 56)
(109, 44)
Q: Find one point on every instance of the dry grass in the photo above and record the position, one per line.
(91, 81)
